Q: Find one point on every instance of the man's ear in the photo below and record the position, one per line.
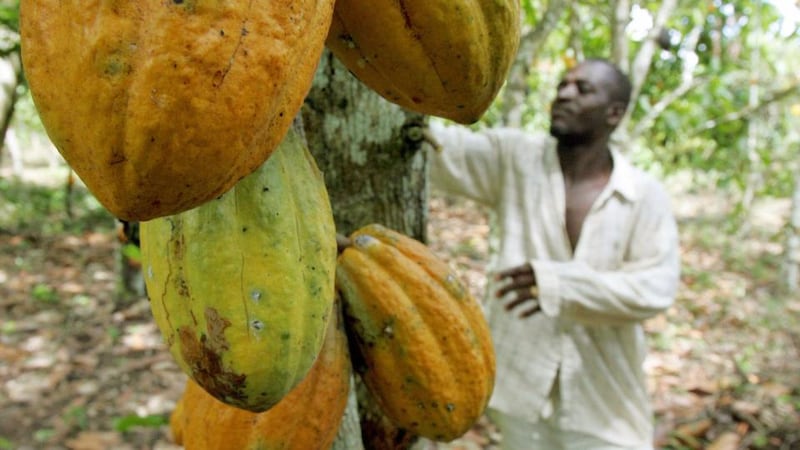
(616, 111)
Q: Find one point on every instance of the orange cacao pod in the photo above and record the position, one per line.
(308, 418)
(445, 58)
(160, 106)
(424, 346)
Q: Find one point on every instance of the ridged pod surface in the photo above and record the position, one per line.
(242, 287)
(446, 58)
(160, 106)
(308, 418)
(424, 348)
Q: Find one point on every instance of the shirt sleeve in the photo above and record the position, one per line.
(644, 285)
(467, 163)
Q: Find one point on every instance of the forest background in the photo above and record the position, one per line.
(716, 115)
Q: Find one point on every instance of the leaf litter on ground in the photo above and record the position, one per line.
(82, 368)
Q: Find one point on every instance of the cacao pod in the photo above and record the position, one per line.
(308, 418)
(242, 287)
(424, 348)
(446, 58)
(160, 106)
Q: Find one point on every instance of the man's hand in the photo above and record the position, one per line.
(520, 280)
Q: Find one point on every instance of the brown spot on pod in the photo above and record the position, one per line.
(204, 357)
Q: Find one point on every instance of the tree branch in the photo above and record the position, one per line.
(517, 82)
(640, 67)
(746, 112)
(663, 104)
(688, 82)
(620, 11)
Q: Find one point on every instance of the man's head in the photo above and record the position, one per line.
(590, 102)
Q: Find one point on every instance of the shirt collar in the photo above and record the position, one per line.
(623, 175)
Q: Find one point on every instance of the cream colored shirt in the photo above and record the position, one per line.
(624, 269)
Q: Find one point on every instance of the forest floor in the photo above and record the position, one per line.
(83, 367)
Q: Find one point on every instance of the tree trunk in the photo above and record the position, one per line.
(620, 15)
(10, 78)
(792, 252)
(369, 151)
(349, 436)
(375, 171)
(753, 180)
(130, 285)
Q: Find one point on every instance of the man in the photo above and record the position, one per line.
(584, 249)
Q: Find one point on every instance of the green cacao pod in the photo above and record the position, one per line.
(424, 348)
(242, 287)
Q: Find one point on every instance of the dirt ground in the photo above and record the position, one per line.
(82, 369)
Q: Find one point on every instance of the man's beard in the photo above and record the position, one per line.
(568, 138)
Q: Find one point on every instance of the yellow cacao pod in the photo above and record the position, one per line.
(242, 287)
(446, 58)
(308, 418)
(424, 348)
(160, 106)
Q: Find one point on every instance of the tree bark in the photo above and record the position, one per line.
(754, 169)
(349, 435)
(375, 172)
(368, 150)
(792, 252)
(10, 78)
(620, 16)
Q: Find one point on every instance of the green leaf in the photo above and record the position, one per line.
(43, 435)
(5, 444)
(9, 16)
(44, 293)
(77, 416)
(125, 423)
(132, 252)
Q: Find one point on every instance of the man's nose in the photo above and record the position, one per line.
(567, 91)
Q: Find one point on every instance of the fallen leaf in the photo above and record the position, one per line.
(774, 390)
(94, 440)
(12, 355)
(745, 407)
(695, 428)
(725, 441)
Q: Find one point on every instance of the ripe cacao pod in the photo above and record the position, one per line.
(160, 106)
(424, 349)
(446, 58)
(308, 418)
(242, 287)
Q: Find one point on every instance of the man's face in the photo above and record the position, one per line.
(581, 110)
